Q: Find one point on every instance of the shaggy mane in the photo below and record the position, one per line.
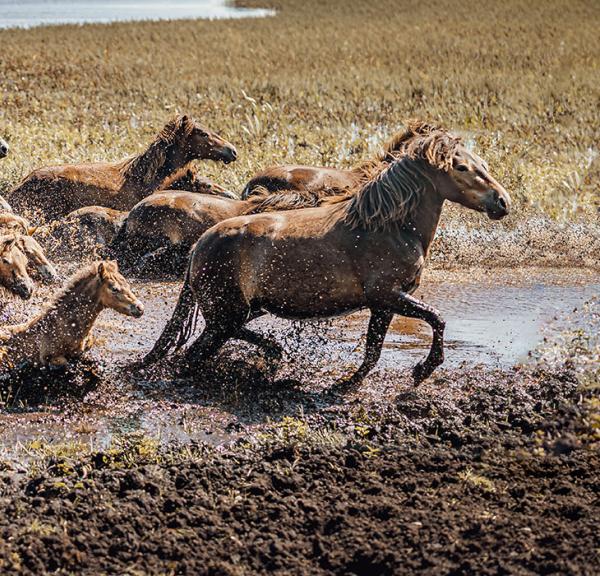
(397, 179)
(145, 167)
(264, 201)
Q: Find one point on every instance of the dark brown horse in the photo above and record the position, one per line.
(56, 191)
(319, 179)
(157, 235)
(365, 250)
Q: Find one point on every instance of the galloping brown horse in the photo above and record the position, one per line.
(56, 191)
(157, 235)
(61, 333)
(319, 179)
(365, 250)
(93, 227)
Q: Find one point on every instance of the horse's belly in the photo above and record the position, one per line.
(314, 311)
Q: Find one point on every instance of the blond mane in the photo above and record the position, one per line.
(397, 180)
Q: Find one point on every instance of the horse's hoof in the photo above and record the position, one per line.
(345, 385)
(421, 372)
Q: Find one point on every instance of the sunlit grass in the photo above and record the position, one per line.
(322, 83)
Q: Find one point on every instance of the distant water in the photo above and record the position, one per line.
(27, 13)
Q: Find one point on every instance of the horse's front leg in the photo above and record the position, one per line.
(411, 307)
(378, 326)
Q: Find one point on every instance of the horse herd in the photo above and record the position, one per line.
(302, 242)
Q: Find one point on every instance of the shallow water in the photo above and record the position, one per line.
(27, 13)
(493, 318)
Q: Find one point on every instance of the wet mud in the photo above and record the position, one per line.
(491, 466)
(486, 472)
(494, 319)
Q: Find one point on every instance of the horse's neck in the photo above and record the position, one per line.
(426, 219)
(79, 308)
(174, 162)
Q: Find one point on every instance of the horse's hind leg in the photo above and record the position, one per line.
(252, 337)
(215, 334)
(378, 326)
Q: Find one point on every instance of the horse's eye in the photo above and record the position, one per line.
(462, 168)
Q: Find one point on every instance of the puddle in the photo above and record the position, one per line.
(492, 318)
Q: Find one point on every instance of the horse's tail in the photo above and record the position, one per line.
(180, 327)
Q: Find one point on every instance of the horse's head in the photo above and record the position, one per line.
(193, 182)
(115, 291)
(201, 143)
(473, 186)
(457, 174)
(35, 255)
(13, 268)
(4, 148)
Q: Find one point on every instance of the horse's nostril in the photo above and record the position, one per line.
(502, 203)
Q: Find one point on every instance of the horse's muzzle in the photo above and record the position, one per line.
(229, 154)
(136, 309)
(498, 207)
(23, 289)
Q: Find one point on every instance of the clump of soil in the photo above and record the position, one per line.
(487, 472)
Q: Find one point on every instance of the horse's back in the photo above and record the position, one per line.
(58, 190)
(300, 177)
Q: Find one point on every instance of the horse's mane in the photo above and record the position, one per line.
(145, 167)
(397, 181)
(74, 281)
(264, 201)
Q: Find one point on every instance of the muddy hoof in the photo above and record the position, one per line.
(421, 372)
(345, 385)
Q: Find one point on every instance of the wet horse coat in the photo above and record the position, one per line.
(364, 250)
(58, 190)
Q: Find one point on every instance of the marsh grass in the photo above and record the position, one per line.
(322, 83)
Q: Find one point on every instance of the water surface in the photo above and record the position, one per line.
(27, 13)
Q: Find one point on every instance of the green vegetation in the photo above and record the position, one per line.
(323, 83)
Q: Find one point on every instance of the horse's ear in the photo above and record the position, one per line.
(101, 270)
(32, 230)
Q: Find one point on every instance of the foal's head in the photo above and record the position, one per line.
(200, 143)
(4, 148)
(35, 255)
(193, 182)
(461, 176)
(13, 268)
(115, 292)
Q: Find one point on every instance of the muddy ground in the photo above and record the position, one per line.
(491, 466)
(491, 472)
